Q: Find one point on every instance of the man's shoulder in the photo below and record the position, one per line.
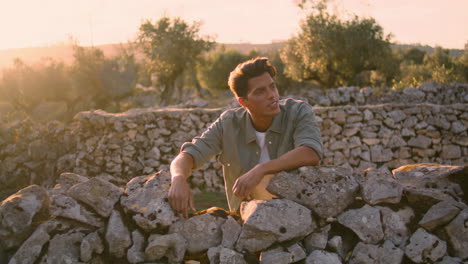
(294, 105)
(233, 114)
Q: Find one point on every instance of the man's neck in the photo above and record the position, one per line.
(261, 124)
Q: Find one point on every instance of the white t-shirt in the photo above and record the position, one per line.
(260, 192)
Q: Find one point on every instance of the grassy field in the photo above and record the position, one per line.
(205, 200)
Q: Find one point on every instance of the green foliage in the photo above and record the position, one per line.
(414, 56)
(214, 72)
(335, 52)
(172, 46)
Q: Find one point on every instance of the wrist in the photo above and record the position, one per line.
(177, 178)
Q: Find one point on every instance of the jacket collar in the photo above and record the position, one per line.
(276, 125)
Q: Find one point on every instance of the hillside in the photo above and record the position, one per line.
(65, 53)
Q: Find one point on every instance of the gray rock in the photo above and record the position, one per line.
(229, 256)
(117, 235)
(397, 115)
(450, 152)
(275, 255)
(420, 141)
(325, 190)
(205, 227)
(260, 230)
(317, 239)
(17, 213)
(439, 214)
(423, 199)
(336, 245)
(450, 260)
(98, 194)
(231, 230)
(298, 252)
(136, 253)
(323, 257)
(365, 222)
(379, 187)
(457, 233)
(64, 248)
(370, 254)
(395, 224)
(91, 243)
(379, 154)
(424, 247)
(434, 176)
(172, 246)
(32, 247)
(146, 199)
(67, 207)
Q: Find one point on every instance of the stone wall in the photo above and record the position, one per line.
(416, 214)
(141, 141)
(428, 92)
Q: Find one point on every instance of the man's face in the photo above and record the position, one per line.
(262, 100)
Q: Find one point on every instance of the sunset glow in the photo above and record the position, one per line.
(27, 23)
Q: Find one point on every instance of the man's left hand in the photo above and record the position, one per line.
(247, 182)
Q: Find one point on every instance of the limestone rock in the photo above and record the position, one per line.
(424, 247)
(450, 260)
(439, 214)
(136, 253)
(17, 213)
(297, 251)
(172, 246)
(435, 176)
(317, 239)
(457, 232)
(67, 207)
(322, 257)
(379, 187)
(98, 194)
(117, 235)
(146, 199)
(91, 243)
(64, 248)
(370, 254)
(395, 224)
(365, 222)
(275, 255)
(222, 255)
(32, 247)
(260, 230)
(205, 227)
(420, 141)
(231, 230)
(325, 190)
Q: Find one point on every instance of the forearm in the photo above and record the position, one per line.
(300, 156)
(181, 166)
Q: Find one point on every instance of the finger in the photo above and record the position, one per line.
(192, 203)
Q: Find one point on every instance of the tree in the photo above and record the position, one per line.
(335, 52)
(414, 56)
(26, 86)
(214, 72)
(172, 46)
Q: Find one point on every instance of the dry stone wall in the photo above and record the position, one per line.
(141, 141)
(416, 214)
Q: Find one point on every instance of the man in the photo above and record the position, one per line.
(263, 137)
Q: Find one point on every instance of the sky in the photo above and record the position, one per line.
(32, 23)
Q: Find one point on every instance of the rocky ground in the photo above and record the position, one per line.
(414, 214)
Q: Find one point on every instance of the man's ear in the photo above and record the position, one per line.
(241, 101)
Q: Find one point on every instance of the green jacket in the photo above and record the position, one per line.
(232, 136)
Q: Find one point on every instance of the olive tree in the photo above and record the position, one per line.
(172, 46)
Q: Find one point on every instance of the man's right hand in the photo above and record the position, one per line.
(180, 196)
